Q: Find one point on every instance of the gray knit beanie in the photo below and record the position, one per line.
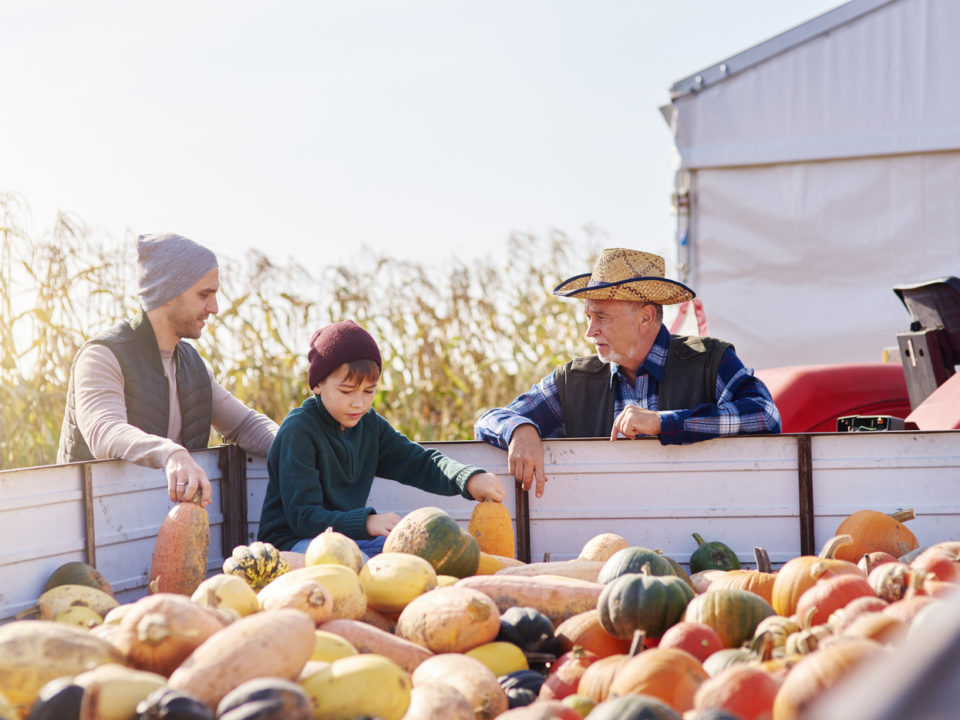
(167, 266)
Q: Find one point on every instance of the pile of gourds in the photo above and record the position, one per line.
(447, 624)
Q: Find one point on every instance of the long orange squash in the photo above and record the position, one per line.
(179, 561)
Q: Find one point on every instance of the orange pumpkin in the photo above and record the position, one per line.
(753, 581)
(801, 572)
(818, 671)
(584, 630)
(598, 677)
(872, 531)
(698, 639)
(666, 673)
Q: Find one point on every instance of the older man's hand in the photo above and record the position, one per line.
(633, 421)
(525, 458)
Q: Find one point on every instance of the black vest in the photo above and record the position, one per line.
(146, 390)
(587, 398)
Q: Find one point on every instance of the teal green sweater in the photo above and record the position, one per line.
(320, 475)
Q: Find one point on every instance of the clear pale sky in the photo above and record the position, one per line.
(420, 129)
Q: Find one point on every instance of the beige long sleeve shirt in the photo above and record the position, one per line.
(102, 413)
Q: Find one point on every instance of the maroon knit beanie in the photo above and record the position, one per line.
(334, 345)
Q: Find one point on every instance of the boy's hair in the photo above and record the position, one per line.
(362, 370)
(334, 345)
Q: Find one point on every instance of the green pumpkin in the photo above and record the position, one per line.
(435, 536)
(652, 603)
(634, 707)
(734, 614)
(712, 556)
(631, 560)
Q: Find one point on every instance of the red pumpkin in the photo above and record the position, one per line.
(698, 639)
(742, 690)
(940, 562)
(565, 674)
(829, 594)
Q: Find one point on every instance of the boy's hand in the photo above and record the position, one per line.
(381, 524)
(485, 485)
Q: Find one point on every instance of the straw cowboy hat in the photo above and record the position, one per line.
(623, 274)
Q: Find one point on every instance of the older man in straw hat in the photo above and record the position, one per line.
(641, 382)
(138, 392)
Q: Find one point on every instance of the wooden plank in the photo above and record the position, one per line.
(89, 525)
(808, 540)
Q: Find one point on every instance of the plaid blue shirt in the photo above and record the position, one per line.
(743, 404)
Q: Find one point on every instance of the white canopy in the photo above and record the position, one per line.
(821, 168)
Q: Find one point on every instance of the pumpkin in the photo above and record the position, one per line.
(878, 626)
(276, 643)
(801, 572)
(720, 660)
(450, 620)
(734, 614)
(556, 597)
(584, 630)
(818, 671)
(501, 657)
(357, 686)
(842, 618)
(369, 639)
(436, 700)
(642, 602)
(166, 704)
(743, 690)
(565, 674)
(112, 692)
(871, 531)
(34, 652)
(632, 560)
(266, 699)
(161, 630)
(666, 673)
(712, 556)
(890, 580)
(304, 594)
(331, 547)
(58, 699)
(597, 678)
(435, 536)
(470, 676)
(698, 639)
(874, 559)
(940, 560)
(179, 562)
(601, 547)
(492, 528)
(227, 591)
(753, 581)
(521, 686)
(258, 563)
(829, 594)
(349, 599)
(391, 580)
(78, 573)
(637, 707)
(530, 630)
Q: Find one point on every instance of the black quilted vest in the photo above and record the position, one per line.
(689, 379)
(146, 391)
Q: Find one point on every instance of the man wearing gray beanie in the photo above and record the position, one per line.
(138, 392)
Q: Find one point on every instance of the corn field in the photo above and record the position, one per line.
(456, 339)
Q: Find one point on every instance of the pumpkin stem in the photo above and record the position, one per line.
(904, 515)
(763, 560)
(867, 563)
(636, 645)
(645, 569)
(153, 629)
(833, 544)
(546, 556)
(696, 536)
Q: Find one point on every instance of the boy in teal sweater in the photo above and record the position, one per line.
(326, 453)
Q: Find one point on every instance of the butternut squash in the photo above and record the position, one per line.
(34, 652)
(579, 569)
(274, 643)
(303, 594)
(179, 562)
(369, 639)
(556, 597)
